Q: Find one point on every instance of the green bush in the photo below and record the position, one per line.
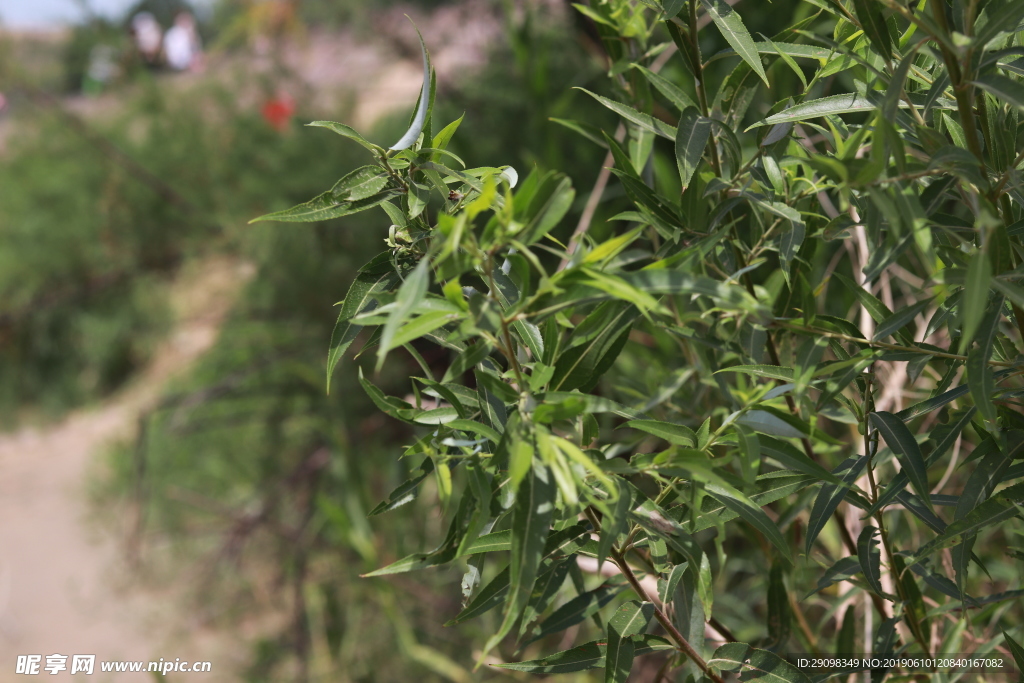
(779, 394)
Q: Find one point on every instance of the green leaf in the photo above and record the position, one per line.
(980, 378)
(756, 665)
(899, 320)
(692, 137)
(442, 139)
(422, 325)
(907, 451)
(657, 521)
(972, 305)
(1016, 650)
(842, 570)
(1002, 506)
(825, 106)
(981, 382)
(588, 656)
(779, 613)
(489, 597)
(752, 514)
(579, 609)
(793, 459)
(593, 346)
(358, 300)
(325, 207)
(489, 543)
(1003, 88)
(770, 371)
(395, 407)
(619, 660)
(767, 423)
(547, 209)
(586, 130)
(411, 135)
(735, 33)
(943, 437)
(667, 88)
(870, 558)
(348, 132)
(467, 360)
(359, 184)
(673, 433)
(645, 121)
(873, 23)
(406, 492)
(531, 521)
(412, 291)
(632, 618)
(476, 428)
(830, 497)
(544, 590)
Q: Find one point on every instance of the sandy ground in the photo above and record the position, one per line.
(65, 584)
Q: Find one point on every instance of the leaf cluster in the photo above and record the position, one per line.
(792, 369)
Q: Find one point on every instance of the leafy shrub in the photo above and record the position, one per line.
(780, 397)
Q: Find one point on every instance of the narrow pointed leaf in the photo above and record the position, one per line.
(358, 300)
(412, 291)
(907, 451)
(735, 33)
(1002, 506)
(870, 16)
(692, 137)
(1003, 88)
(752, 514)
(680, 435)
(870, 558)
(756, 665)
(410, 136)
(830, 497)
(619, 658)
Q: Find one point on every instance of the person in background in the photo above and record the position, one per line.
(182, 49)
(103, 69)
(147, 36)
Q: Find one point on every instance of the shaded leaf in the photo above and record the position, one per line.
(735, 33)
(692, 137)
(756, 665)
(903, 444)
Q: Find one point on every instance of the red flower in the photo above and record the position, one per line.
(278, 111)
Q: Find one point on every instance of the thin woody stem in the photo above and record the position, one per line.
(684, 645)
(663, 619)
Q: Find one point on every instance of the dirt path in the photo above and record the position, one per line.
(64, 587)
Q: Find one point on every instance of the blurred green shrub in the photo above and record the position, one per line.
(86, 241)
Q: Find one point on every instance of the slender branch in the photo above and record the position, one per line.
(882, 345)
(684, 645)
(593, 201)
(663, 619)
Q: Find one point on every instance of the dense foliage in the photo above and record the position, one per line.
(777, 399)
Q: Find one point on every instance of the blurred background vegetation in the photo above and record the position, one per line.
(246, 467)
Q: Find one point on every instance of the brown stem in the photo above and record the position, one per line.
(663, 619)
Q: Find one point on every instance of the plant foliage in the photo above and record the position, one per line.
(790, 369)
